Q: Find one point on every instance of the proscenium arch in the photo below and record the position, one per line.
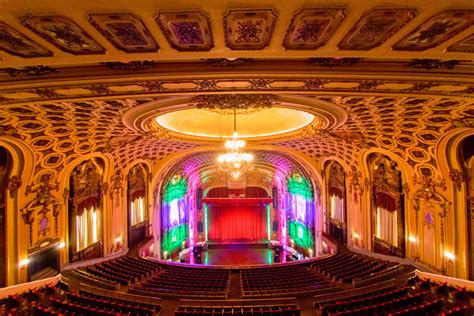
(447, 155)
(162, 170)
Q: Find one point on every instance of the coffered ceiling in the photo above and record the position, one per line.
(82, 77)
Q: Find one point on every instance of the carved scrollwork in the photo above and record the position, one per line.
(428, 188)
(14, 183)
(44, 202)
(116, 189)
(87, 186)
(243, 103)
(457, 178)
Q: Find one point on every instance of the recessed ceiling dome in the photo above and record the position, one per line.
(266, 122)
(258, 116)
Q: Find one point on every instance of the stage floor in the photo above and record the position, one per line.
(234, 255)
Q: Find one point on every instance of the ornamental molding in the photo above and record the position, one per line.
(226, 103)
(457, 178)
(428, 188)
(14, 184)
(145, 88)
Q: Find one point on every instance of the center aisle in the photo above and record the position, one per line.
(234, 287)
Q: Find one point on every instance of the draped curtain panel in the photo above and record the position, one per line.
(237, 222)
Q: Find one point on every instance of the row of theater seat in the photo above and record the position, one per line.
(347, 267)
(280, 281)
(257, 310)
(60, 300)
(416, 298)
(186, 281)
(124, 270)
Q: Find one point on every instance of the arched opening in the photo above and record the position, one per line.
(336, 219)
(5, 169)
(387, 206)
(466, 157)
(174, 215)
(137, 201)
(86, 211)
(300, 207)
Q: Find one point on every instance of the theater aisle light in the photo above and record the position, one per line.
(449, 255)
(23, 263)
(234, 161)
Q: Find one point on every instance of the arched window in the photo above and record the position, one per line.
(336, 219)
(467, 162)
(85, 211)
(388, 221)
(5, 169)
(137, 205)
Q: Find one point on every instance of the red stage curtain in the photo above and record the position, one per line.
(237, 222)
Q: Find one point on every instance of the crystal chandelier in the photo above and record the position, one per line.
(234, 161)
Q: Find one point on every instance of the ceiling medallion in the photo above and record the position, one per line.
(227, 104)
(234, 161)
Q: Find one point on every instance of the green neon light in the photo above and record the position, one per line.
(300, 234)
(206, 258)
(297, 184)
(174, 238)
(268, 222)
(205, 222)
(175, 189)
(269, 256)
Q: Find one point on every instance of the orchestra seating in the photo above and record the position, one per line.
(324, 277)
(186, 281)
(59, 300)
(257, 310)
(283, 280)
(124, 271)
(350, 267)
(415, 298)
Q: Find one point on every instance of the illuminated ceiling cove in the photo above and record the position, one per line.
(266, 122)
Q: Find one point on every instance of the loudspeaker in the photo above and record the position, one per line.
(275, 197)
(199, 198)
(200, 228)
(275, 226)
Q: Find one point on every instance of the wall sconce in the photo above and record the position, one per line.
(356, 235)
(450, 256)
(118, 239)
(412, 239)
(61, 245)
(23, 263)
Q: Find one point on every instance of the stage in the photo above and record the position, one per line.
(232, 254)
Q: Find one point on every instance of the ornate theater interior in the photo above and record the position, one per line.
(237, 157)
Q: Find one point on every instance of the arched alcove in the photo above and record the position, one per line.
(137, 205)
(387, 206)
(466, 159)
(336, 205)
(86, 210)
(5, 170)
